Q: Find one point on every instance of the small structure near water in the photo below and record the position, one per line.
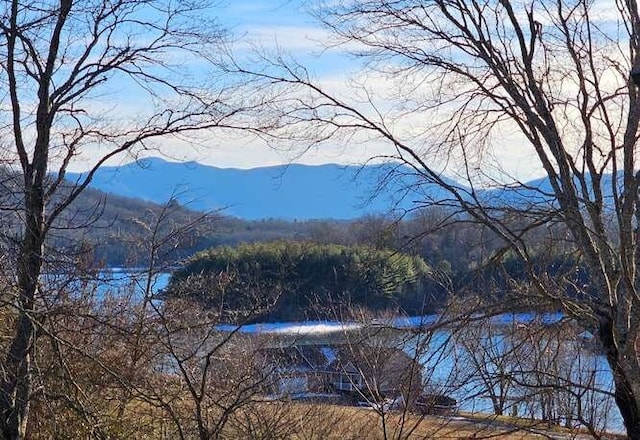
(339, 365)
(343, 372)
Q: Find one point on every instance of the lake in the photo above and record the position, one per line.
(444, 354)
(448, 368)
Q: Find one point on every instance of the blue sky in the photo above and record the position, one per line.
(281, 25)
(288, 26)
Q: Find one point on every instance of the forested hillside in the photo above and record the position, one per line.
(461, 256)
(288, 281)
(452, 246)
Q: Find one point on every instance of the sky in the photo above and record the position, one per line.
(288, 26)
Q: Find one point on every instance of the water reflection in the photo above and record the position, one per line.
(116, 283)
(534, 372)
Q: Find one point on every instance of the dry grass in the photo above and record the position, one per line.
(275, 420)
(306, 421)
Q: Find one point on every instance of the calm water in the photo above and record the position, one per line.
(440, 353)
(130, 282)
(446, 371)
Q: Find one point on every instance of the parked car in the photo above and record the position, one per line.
(436, 404)
(388, 404)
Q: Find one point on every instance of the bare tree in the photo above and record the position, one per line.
(85, 80)
(117, 359)
(487, 364)
(558, 380)
(527, 368)
(391, 364)
(470, 80)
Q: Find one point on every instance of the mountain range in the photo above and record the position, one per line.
(295, 191)
(288, 192)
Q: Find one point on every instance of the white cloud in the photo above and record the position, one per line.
(277, 25)
(289, 38)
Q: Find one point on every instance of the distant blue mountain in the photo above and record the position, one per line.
(287, 192)
(296, 191)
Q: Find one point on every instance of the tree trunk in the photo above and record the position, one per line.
(497, 406)
(626, 398)
(627, 402)
(16, 383)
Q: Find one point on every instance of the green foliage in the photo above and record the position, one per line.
(300, 278)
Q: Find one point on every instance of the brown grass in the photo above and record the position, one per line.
(306, 421)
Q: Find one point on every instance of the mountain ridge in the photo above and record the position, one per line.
(288, 192)
(296, 191)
